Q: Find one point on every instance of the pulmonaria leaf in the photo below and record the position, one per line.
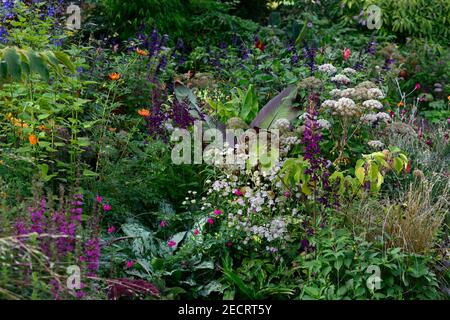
(280, 107)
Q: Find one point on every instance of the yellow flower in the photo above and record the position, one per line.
(400, 104)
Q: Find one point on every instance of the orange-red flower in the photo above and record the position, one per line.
(33, 139)
(141, 52)
(408, 167)
(400, 104)
(144, 112)
(114, 76)
(260, 45)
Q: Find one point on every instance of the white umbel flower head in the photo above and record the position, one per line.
(374, 118)
(376, 144)
(327, 68)
(329, 104)
(345, 107)
(347, 93)
(375, 93)
(349, 71)
(341, 78)
(372, 104)
(324, 124)
(281, 124)
(335, 92)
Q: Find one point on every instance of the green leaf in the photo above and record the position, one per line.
(313, 292)
(64, 59)
(89, 173)
(12, 60)
(360, 174)
(37, 65)
(280, 107)
(398, 165)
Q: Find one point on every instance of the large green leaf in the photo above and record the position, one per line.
(12, 59)
(18, 64)
(280, 107)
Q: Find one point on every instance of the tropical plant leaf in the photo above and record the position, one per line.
(183, 93)
(278, 108)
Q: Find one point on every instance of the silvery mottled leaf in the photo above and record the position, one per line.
(213, 286)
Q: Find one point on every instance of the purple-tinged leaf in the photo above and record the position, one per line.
(280, 107)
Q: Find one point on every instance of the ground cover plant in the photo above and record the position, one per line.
(224, 150)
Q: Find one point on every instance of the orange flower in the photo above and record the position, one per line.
(33, 139)
(114, 76)
(448, 98)
(260, 45)
(144, 112)
(141, 52)
(400, 104)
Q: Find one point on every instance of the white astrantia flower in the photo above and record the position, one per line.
(375, 144)
(375, 93)
(349, 71)
(327, 68)
(340, 78)
(373, 104)
(324, 124)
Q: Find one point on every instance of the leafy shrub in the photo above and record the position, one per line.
(411, 18)
(172, 16)
(138, 183)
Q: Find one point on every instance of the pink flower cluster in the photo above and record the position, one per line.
(106, 206)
